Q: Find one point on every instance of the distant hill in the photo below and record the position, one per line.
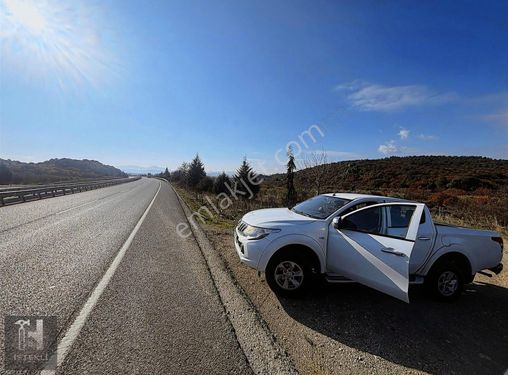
(135, 169)
(432, 173)
(54, 170)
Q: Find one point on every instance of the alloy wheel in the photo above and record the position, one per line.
(288, 275)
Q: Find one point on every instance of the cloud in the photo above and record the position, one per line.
(393, 148)
(425, 137)
(366, 96)
(403, 133)
(498, 98)
(389, 148)
(499, 118)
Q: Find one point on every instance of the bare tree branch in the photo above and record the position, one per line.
(317, 164)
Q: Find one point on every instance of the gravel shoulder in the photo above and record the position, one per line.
(348, 328)
(264, 354)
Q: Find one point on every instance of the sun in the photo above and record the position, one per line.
(28, 15)
(53, 42)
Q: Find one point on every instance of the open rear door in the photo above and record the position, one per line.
(373, 246)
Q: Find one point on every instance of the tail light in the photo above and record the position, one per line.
(499, 240)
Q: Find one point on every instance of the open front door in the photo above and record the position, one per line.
(373, 245)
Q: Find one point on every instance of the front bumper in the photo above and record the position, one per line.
(249, 251)
(497, 269)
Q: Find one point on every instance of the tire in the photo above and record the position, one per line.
(289, 274)
(445, 281)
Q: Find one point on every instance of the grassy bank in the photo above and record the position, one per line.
(468, 210)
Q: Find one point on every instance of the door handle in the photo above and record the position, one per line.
(391, 250)
(423, 238)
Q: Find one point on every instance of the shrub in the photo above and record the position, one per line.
(468, 183)
(219, 185)
(443, 199)
(206, 184)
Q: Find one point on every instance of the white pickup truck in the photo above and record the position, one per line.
(382, 242)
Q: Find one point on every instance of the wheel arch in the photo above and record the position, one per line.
(298, 249)
(454, 256)
(304, 244)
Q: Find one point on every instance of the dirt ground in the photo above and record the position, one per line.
(351, 329)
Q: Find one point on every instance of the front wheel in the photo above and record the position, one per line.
(288, 274)
(446, 282)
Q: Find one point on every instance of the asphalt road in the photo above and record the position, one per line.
(160, 312)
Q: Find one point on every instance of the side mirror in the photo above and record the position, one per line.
(337, 222)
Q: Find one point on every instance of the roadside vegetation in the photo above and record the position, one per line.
(467, 191)
(459, 190)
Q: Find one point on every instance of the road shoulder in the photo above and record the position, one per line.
(264, 354)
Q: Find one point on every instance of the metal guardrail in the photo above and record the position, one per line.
(40, 192)
(58, 183)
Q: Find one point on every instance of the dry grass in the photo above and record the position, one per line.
(466, 210)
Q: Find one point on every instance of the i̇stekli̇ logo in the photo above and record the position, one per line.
(30, 342)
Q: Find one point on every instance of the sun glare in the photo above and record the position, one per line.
(28, 15)
(53, 42)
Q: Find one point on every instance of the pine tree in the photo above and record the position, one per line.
(196, 171)
(247, 181)
(219, 185)
(290, 176)
(166, 174)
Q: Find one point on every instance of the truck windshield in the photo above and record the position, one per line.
(320, 207)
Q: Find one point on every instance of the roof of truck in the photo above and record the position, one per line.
(353, 196)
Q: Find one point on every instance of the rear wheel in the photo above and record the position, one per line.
(446, 281)
(289, 274)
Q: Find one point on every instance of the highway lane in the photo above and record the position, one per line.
(159, 314)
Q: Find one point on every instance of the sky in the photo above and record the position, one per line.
(152, 83)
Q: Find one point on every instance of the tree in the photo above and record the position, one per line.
(166, 174)
(247, 181)
(317, 163)
(196, 171)
(290, 176)
(5, 174)
(219, 185)
(181, 175)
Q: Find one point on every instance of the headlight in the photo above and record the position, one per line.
(256, 233)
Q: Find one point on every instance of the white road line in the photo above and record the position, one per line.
(73, 332)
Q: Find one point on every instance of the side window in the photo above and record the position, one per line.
(399, 218)
(357, 207)
(368, 220)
